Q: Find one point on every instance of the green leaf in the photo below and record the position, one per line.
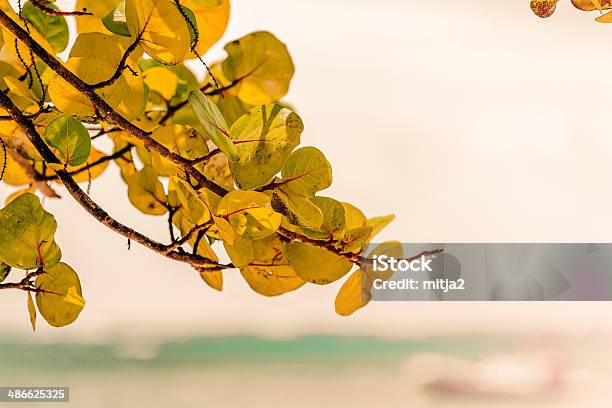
(333, 215)
(146, 192)
(193, 24)
(4, 271)
(163, 31)
(115, 21)
(317, 265)
(70, 139)
(250, 213)
(60, 301)
(307, 171)
(53, 28)
(26, 234)
(214, 123)
(299, 210)
(264, 138)
(261, 66)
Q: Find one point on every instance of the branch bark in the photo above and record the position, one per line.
(87, 203)
(106, 111)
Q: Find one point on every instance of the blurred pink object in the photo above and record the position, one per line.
(521, 374)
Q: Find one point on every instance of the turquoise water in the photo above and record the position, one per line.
(204, 352)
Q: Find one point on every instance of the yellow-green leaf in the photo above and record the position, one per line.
(53, 28)
(60, 301)
(299, 210)
(261, 66)
(307, 171)
(26, 234)
(264, 138)
(214, 123)
(70, 139)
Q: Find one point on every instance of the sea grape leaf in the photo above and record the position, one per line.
(211, 17)
(306, 171)
(240, 251)
(31, 311)
(334, 219)
(591, 5)
(250, 213)
(4, 271)
(317, 265)
(116, 22)
(544, 8)
(126, 95)
(197, 210)
(180, 139)
(53, 28)
(379, 223)
(26, 234)
(60, 300)
(299, 210)
(164, 34)
(70, 139)
(269, 273)
(354, 239)
(162, 80)
(354, 293)
(261, 66)
(264, 138)
(214, 123)
(146, 192)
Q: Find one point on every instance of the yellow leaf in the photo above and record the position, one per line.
(354, 293)
(14, 175)
(606, 18)
(261, 66)
(163, 31)
(270, 273)
(32, 311)
(591, 5)
(211, 17)
(317, 265)
(146, 192)
(162, 81)
(214, 279)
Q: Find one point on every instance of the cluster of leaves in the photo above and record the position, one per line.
(218, 159)
(546, 8)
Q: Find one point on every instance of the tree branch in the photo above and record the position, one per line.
(87, 203)
(119, 153)
(105, 109)
(39, 5)
(120, 68)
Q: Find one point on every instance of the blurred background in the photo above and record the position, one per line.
(472, 121)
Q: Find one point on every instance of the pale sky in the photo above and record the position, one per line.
(473, 121)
